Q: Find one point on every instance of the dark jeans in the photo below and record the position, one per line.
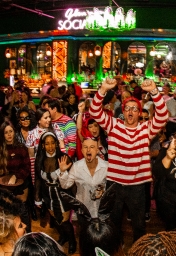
(134, 197)
(166, 206)
(148, 197)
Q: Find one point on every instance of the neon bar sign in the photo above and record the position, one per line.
(98, 20)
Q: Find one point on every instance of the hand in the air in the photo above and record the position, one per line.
(107, 84)
(63, 163)
(148, 85)
(81, 107)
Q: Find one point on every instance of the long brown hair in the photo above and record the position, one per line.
(3, 147)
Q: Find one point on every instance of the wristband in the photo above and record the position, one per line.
(154, 91)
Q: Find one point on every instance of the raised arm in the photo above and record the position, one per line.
(104, 120)
(81, 108)
(161, 114)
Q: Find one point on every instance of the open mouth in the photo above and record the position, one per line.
(130, 117)
(89, 156)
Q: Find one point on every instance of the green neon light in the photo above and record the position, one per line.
(108, 20)
(90, 38)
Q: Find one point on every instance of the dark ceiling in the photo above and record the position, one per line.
(14, 7)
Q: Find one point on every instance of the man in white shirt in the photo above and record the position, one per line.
(89, 175)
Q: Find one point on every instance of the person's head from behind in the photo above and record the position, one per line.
(43, 118)
(144, 116)
(90, 149)
(98, 234)
(54, 107)
(37, 244)
(131, 108)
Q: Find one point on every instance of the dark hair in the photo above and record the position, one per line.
(31, 114)
(39, 113)
(54, 103)
(132, 82)
(3, 146)
(145, 111)
(44, 97)
(10, 208)
(37, 244)
(102, 134)
(62, 89)
(9, 203)
(41, 153)
(98, 234)
(110, 94)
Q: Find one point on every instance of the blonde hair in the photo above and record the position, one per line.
(7, 229)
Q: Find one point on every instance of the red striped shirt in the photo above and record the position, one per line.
(128, 148)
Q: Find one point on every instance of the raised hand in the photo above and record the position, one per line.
(63, 166)
(107, 84)
(81, 107)
(148, 85)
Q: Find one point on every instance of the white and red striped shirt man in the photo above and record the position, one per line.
(128, 148)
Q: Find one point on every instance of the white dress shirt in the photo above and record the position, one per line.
(85, 182)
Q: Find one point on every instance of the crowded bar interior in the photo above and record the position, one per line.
(59, 60)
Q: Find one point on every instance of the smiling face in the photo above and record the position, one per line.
(24, 119)
(50, 145)
(89, 150)
(45, 120)
(131, 116)
(9, 134)
(94, 129)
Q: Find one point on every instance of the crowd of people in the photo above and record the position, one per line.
(91, 155)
